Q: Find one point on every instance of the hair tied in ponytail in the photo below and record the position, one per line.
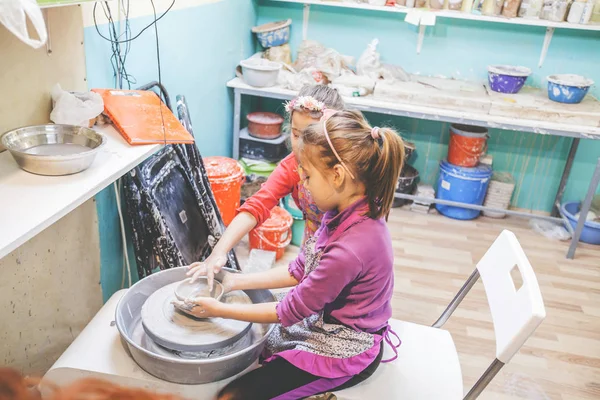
(375, 133)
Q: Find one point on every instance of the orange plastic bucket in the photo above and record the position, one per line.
(275, 234)
(467, 144)
(226, 177)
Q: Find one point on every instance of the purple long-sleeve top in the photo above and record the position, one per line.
(354, 280)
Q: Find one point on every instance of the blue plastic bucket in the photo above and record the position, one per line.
(298, 216)
(465, 185)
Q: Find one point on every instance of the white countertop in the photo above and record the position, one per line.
(30, 203)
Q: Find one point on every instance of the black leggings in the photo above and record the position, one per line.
(281, 380)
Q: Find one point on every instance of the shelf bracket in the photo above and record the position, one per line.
(420, 38)
(48, 40)
(305, 16)
(547, 40)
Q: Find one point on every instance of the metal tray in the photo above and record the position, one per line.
(53, 149)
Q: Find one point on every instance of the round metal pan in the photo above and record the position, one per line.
(53, 149)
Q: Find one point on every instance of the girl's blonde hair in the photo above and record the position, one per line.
(373, 155)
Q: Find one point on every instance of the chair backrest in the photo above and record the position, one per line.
(516, 311)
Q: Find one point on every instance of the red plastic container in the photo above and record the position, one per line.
(226, 177)
(275, 234)
(467, 144)
(264, 125)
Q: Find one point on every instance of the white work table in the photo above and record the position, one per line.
(30, 203)
(446, 101)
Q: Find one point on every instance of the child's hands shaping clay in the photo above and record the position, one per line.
(209, 267)
(199, 307)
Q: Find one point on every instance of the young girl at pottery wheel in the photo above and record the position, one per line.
(304, 110)
(333, 322)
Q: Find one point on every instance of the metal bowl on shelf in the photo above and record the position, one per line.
(53, 149)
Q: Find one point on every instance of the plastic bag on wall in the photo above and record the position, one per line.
(75, 109)
(14, 14)
(369, 63)
(331, 63)
(282, 54)
(295, 81)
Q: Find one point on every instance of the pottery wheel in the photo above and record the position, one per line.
(175, 330)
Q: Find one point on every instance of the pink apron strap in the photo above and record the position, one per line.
(388, 340)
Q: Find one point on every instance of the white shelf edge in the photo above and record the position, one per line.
(118, 150)
(451, 15)
(74, 3)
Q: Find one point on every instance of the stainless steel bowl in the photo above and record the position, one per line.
(53, 149)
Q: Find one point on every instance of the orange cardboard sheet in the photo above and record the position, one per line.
(142, 118)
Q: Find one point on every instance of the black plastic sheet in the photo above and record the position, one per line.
(171, 208)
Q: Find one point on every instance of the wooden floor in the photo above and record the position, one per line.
(434, 256)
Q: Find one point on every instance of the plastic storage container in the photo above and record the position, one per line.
(261, 149)
(591, 229)
(467, 144)
(407, 183)
(264, 125)
(465, 185)
(259, 72)
(299, 223)
(258, 167)
(409, 149)
(568, 88)
(273, 33)
(507, 78)
(226, 177)
(275, 234)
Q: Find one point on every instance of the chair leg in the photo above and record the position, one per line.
(484, 380)
(457, 299)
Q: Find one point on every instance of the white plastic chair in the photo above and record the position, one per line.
(427, 366)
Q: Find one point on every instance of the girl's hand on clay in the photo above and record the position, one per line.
(199, 307)
(208, 268)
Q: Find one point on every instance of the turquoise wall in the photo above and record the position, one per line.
(200, 48)
(464, 49)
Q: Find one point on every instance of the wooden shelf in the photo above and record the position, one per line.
(449, 14)
(30, 203)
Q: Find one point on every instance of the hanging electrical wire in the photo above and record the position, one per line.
(156, 19)
(118, 60)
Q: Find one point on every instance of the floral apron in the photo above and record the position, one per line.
(313, 334)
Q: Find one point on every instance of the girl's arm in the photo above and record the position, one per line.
(263, 313)
(254, 212)
(207, 307)
(274, 278)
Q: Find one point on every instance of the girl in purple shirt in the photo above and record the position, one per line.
(332, 323)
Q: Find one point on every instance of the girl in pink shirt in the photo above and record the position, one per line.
(304, 110)
(332, 324)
